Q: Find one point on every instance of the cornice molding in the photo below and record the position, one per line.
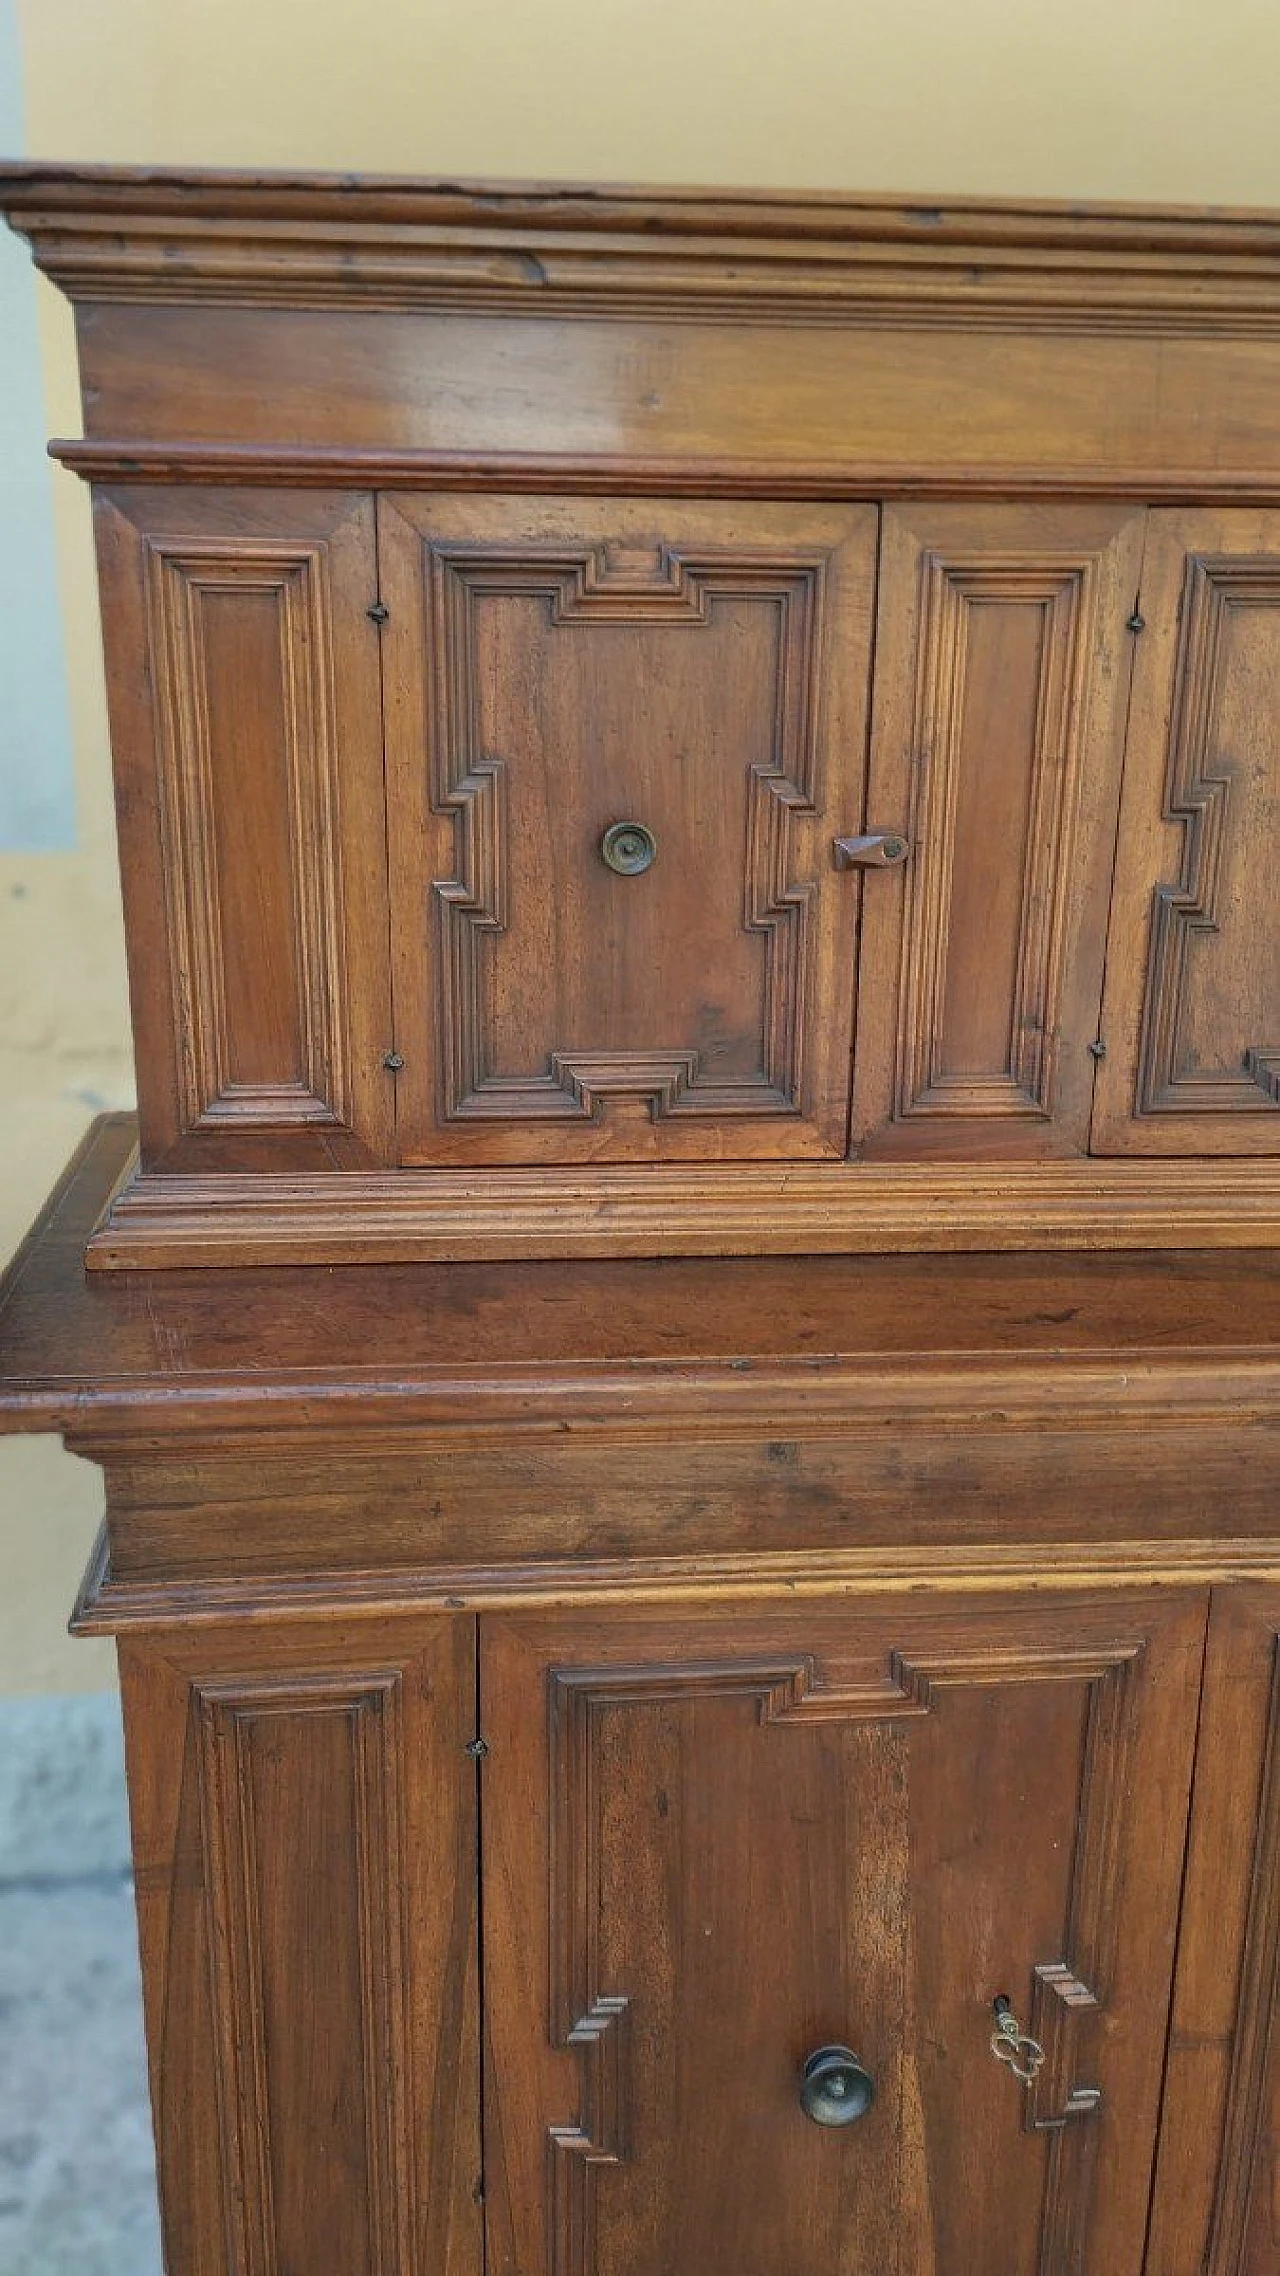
(119, 234)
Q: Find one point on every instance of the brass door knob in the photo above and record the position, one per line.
(628, 848)
(834, 2087)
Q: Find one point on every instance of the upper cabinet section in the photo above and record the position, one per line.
(1193, 977)
(622, 739)
(683, 721)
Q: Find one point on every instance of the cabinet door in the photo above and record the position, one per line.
(243, 681)
(715, 1844)
(1192, 1011)
(304, 1832)
(556, 668)
(1217, 2200)
(1002, 670)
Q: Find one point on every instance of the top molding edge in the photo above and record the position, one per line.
(32, 188)
(35, 192)
(124, 234)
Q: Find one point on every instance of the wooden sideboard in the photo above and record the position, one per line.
(685, 1351)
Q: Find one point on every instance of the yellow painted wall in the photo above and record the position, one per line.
(1160, 99)
(1106, 98)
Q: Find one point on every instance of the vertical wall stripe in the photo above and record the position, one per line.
(37, 800)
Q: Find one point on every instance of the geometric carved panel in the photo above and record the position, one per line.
(606, 584)
(305, 1889)
(1191, 1012)
(1226, 797)
(596, 2021)
(555, 667)
(241, 647)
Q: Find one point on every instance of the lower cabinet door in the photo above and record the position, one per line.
(304, 1831)
(758, 1884)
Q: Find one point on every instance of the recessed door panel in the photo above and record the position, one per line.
(246, 733)
(622, 737)
(1002, 669)
(716, 1846)
(1192, 1012)
(304, 1832)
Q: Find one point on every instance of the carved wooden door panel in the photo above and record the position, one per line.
(716, 1843)
(1192, 1011)
(304, 1827)
(622, 737)
(1002, 672)
(1217, 2198)
(246, 728)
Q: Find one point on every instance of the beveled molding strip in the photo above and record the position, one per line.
(122, 460)
(368, 1412)
(106, 1605)
(685, 1209)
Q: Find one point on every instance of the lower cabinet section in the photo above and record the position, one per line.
(508, 1943)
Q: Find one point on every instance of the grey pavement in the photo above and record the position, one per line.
(77, 2177)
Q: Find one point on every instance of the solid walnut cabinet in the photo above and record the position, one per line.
(699, 804)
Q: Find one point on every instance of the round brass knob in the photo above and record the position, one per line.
(834, 2087)
(628, 848)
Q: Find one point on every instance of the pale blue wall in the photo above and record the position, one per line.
(37, 803)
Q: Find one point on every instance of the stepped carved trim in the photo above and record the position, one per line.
(1058, 1996)
(613, 583)
(1198, 796)
(1264, 1066)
